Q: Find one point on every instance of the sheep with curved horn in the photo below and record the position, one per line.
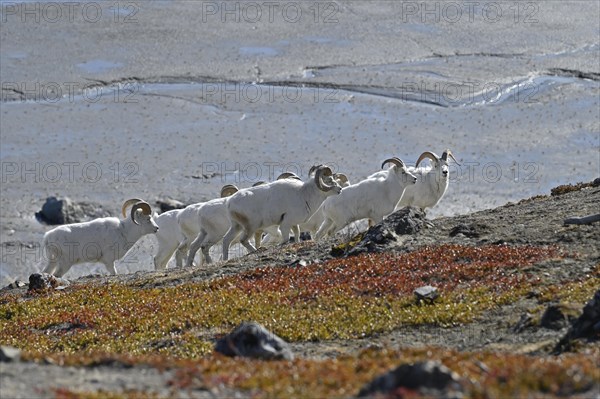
(286, 203)
(372, 198)
(103, 240)
(432, 181)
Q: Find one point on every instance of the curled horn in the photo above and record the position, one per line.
(259, 183)
(313, 168)
(320, 172)
(228, 189)
(144, 206)
(341, 178)
(427, 154)
(128, 203)
(395, 160)
(447, 154)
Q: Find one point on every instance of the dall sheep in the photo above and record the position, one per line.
(102, 240)
(188, 227)
(314, 222)
(432, 181)
(286, 203)
(372, 198)
(213, 224)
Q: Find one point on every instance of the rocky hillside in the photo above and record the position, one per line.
(507, 291)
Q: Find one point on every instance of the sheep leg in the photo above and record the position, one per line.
(231, 234)
(205, 247)
(111, 268)
(50, 267)
(162, 257)
(258, 238)
(284, 229)
(182, 249)
(325, 227)
(296, 231)
(194, 247)
(180, 255)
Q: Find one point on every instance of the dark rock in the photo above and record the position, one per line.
(554, 318)
(169, 204)
(9, 354)
(44, 281)
(252, 340)
(64, 211)
(15, 284)
(426, 293)
(64, 327)
(466, 230)
(586, 326)
(596, 182)
(405, 221)
(430, 377)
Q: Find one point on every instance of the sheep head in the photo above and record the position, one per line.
(400, 169)
(228, 189)
(323, 173)
(342, 179)
(440, 163)
(146, 212)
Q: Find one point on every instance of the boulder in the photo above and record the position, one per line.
(169, 204)
(64, 211)
(586, 326)
(45, 281)
(429, 378)
(9, 354)
(405, 221)
(427, 294)
(252, 340)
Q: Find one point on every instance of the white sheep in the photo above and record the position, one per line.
(214, 223)
(286, 203)
(314, 222)
(169, 237)
(102, 240)
(181, 228)
(432, 181)
(372, 198)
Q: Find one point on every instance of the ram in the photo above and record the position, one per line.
(314, 222)
(286, 203)
(372, 198)
(102, 240)
(214, 223)
(432, 181)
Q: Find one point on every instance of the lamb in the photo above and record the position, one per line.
(371, 198)
(432, 181)
(102, 240)
(286, 203)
